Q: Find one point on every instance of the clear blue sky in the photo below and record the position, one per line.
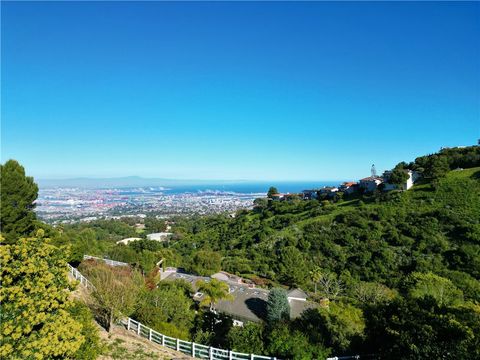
(230, 90)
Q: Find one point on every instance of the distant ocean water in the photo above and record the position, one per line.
(172, 187)
(250, 187)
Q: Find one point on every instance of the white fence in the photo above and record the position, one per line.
(79, 277)
(189, 348)
(107, 261)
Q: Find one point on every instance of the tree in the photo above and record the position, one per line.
(293, 344)
(372, 293)
(213, 291)
(316, 275)
(437, 287)
(272, 191)
(293, 268)
(115, 293)
(167, 309)
(420, 329)
(278, 308)
(155, 225)
(330, 285)
(436, 167)
(342, 324)
(206, 262)
(247, 339)
(35, 320)
(398, 176)
(18, 195)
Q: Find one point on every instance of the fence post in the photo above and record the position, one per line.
(150, 334)
(251, 357)
(138, 328)
(163, 340)
(178, 344)
(128, 324)
(193, 349)
(230, 355)
(210, 353)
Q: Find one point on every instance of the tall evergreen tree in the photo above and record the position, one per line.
(18, 194)
(278, 308)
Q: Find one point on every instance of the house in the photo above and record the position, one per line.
(249, 303)
(276, 196)
(413, 176)
(370, 184)
(310, 194)
(287, 196)
(348, 187)
(328, 191)
(291, 196)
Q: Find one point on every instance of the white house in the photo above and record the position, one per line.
(413, 176)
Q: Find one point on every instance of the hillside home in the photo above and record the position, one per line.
(328, 191)
(277, 196)
(348, 187)
(310, 194)
(249, 303)
(370, 184)
(413, 176)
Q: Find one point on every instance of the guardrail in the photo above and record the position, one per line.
(107, 261)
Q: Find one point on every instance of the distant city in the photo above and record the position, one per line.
(66, 204)
(73, 204)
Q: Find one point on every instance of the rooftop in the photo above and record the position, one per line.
(248, 304)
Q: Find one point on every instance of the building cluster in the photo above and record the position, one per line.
(365, 185)
(69, 205)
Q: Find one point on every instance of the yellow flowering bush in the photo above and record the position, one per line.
(34, 320)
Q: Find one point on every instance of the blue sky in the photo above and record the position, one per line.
(230, 90)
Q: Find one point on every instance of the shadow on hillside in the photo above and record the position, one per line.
(476, 175)
(258, 307)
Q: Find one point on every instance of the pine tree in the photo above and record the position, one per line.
(278, 308)
(18, 193)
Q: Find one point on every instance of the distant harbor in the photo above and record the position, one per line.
(70, 204)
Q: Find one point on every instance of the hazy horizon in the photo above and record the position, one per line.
(137, 181)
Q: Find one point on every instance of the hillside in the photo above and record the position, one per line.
(392, 232)
(384, 267)
(392, 273)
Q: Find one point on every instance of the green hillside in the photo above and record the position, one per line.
(395, 274)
